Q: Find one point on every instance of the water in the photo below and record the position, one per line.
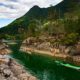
(44, 67)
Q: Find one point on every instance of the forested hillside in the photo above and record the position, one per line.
(63, 18)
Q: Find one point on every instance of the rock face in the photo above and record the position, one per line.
(4, 49)
(44, 44)
(10, 69)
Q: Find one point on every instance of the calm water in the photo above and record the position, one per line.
(44, 67)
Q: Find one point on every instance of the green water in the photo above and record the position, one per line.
(44, 67)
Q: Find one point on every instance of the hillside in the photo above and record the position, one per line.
(36, 16)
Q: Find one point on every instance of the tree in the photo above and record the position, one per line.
(70, 39)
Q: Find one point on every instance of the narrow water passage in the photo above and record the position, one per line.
(44, 67)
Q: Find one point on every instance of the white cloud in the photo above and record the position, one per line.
(16, 8)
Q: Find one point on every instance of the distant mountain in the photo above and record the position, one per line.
(37, 13)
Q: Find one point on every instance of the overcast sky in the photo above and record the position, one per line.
(12, 9)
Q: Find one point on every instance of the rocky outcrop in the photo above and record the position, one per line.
(4, 49)
(43, 46)
(10, 69)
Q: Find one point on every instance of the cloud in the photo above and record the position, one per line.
(11, 9)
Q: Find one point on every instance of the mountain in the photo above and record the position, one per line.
(20, 25)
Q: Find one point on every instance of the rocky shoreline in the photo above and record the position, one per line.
(10, 69)
(65, 57)
(64, 53)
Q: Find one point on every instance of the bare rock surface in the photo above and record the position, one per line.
(10, 69)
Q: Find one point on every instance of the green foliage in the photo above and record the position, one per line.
(54, 27)
(70, 39)
(64, 18)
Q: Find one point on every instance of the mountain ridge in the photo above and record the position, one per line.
(37, 13)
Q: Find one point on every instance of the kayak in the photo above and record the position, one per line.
(67, 65)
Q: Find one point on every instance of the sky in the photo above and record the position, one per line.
(12, 9)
